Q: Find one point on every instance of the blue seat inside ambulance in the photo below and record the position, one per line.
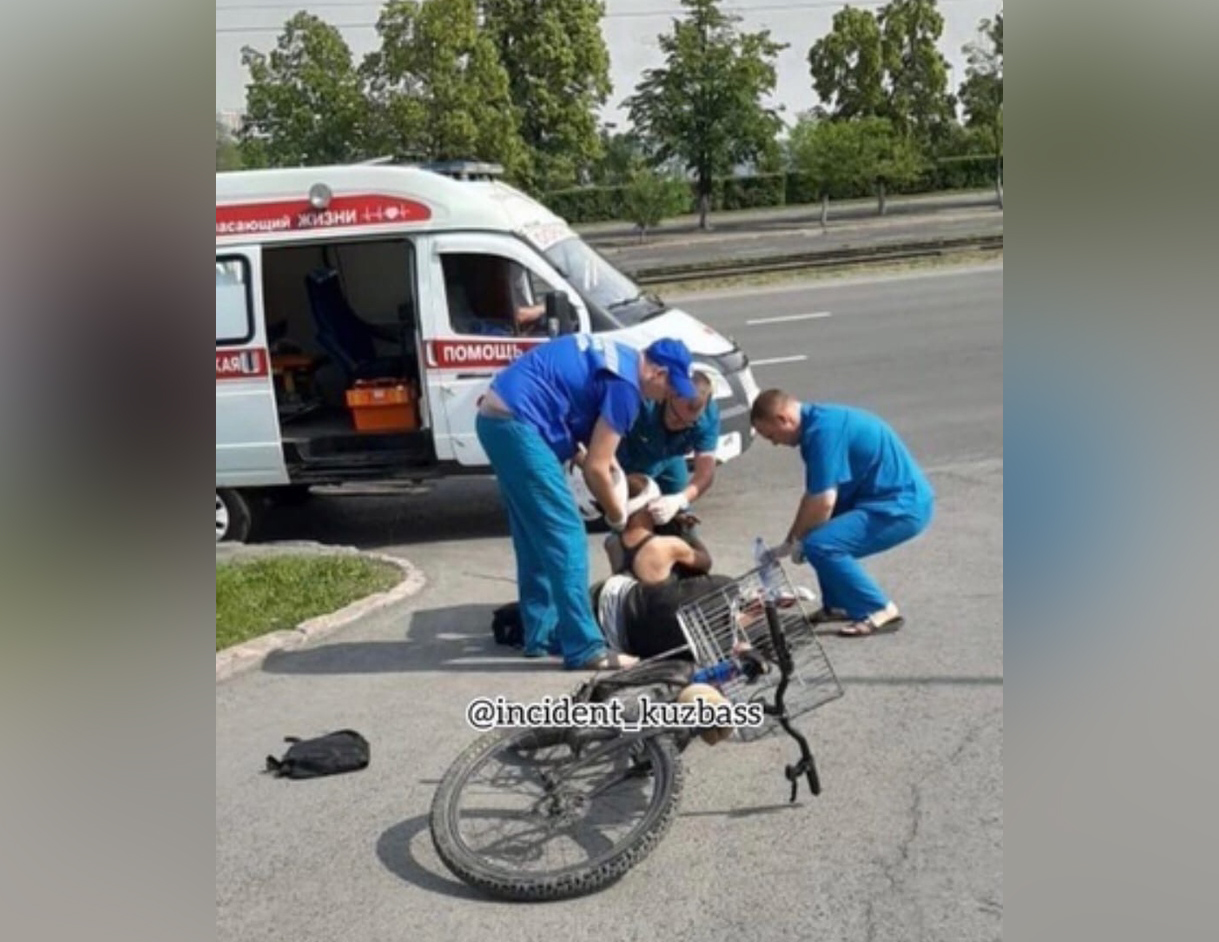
(349, 340)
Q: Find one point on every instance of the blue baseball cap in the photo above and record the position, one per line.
(674, 357)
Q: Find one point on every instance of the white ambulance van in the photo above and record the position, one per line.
(396, 287)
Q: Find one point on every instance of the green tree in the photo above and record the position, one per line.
(846, 155)
(558, 78)
(981, 94)
(304, 102)
(704, 106)
(622, 153)
(437, 88)
(886, 65)
(650, 198)
(847, 66)
(898, 159)
(918, 101)
(228, 156)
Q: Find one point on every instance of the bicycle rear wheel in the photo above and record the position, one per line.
(502, 823)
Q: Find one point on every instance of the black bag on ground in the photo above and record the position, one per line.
(341, 751)
(507, 627)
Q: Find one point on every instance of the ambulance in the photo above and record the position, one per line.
(362, 310)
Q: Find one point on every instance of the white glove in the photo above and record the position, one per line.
(664, 509)
(791, 549)
(616, 525)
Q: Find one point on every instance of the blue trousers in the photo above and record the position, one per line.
(835, 548)
(549, 540)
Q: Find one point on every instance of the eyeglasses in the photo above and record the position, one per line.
(683, 419)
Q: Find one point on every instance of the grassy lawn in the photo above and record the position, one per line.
(256, 596)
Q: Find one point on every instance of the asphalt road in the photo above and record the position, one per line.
(905, 841)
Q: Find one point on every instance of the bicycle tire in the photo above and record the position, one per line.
(569, 882)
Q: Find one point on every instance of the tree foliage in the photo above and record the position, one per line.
(622, 153)
(650, 198)
(304, 102)
(886, 64)
(558, 77)
(844, 154)
(848, 64)
(437, 89)
(228, 156)
(704, 105)
(981, 94)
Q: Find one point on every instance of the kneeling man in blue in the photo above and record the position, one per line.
(863, 494)
(576, 390)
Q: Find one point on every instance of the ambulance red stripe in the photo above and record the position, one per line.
(298, 215)
(491, 353)
(241, 364)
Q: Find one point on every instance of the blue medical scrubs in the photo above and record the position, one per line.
(654, 450)
(556, 393)
(883, 499)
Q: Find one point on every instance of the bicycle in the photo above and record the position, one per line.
(608, 794)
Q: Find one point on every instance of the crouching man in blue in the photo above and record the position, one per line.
(864, 494)
(576, 390)
(659, 441)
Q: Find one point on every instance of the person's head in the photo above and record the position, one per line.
(681, 412)
(776, 417)
(664, 369)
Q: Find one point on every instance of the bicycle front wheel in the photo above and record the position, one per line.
(523, 815)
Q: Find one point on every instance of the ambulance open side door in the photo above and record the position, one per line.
(462, 356)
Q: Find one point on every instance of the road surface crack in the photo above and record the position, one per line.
(895, 870)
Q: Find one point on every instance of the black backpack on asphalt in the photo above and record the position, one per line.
(341, 751)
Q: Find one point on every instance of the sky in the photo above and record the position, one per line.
(630, 28)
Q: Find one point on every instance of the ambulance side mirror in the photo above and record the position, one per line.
(560, 314)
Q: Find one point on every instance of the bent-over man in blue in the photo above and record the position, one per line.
(576, 390)
(661, 438)
(863, 494)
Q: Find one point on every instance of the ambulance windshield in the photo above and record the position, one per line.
(601, 285)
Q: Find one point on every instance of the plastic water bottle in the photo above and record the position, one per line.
(717, 674)
(768, 570)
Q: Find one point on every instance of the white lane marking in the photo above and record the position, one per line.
(790, 317)
(773, 360)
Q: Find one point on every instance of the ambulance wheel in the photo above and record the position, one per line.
(234, 517)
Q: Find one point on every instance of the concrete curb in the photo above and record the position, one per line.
(251, 654)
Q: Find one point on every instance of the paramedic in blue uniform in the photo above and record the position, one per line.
(863, 494)
(578, 389)
(660, 439)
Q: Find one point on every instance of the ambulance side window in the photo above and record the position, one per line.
(493, 295)
(234, 314)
